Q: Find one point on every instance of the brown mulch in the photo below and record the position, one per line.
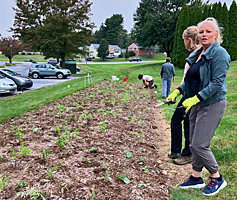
(90, 140)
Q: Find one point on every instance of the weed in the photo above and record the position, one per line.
(13, 154)
(3, 181)
(45, 153)
(25, 150)
(92, 194)
(63, 139)
(134, 133)
(64, 124)
(93, 149)
(57, 129)
(72, 117)
(122, 164)
(51, 171)
(123, 178)
(35, 194)
(145, 169)
(19, 135)
(87, 160)
(103, 125)
(141, 162)
(142, 185)
(21, 184)
(106, 179)
(60, 108)
(37, 129)
(128, 154)
(104, 166)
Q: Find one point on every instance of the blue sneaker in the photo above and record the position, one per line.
(190, 183)
(214, 187)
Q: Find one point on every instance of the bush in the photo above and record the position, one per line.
(23, 53)
(29, 53)
(131, 53)
(121, 55)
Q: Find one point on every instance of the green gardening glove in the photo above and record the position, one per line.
(188, 103)
(173, 95)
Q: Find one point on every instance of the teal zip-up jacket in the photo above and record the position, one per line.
(213, 71)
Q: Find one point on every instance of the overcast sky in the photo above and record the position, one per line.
(101, 10)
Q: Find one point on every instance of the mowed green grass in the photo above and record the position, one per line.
(223, 143)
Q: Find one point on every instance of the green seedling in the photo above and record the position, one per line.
(122, 164)
(103, 125)
(63, 139)
(106, 179)
(60, 108)
(3, 181)
(104, 166)
(13, 154)
(25, 150)
(13, 129)
(37, 129)
(57, 129)
(63, 189)
(123, 178)
(45, 153)
(142, 185)
(35, 194)
(134, 133)
(93, 149)
(88, 160)
(51, 171)
(92, 194)
(19, 135)
(141, 162)
(21, 184)
(128, 154)
(72, 117)
(64, 124)
(145, 169)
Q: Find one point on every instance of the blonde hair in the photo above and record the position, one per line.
(215, 25)
(192, 33)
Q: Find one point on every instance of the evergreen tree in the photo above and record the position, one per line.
(58, 28)
(180, 53)
(103, 49)
(232, 31)
(225, 23)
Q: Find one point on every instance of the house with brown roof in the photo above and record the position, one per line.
(137, 49)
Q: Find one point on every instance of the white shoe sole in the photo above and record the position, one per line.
(224, 184)
(198, 186)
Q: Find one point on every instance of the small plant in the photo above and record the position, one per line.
(134, 133)
(93, 149)
(128, 154)
(92, 194)
(25, 150)
(21, 184)
(122, 164)
(13, 154)
(3, 181)
(35, 194)
(88, 160)
(145, 169)
(123, 178)
(106, 179)
(61, 108)
(19, 135)
(51, 171)
(141, 162)
(1, 156)
(104, 166)
(45, 153)
(57, 129)
(103, 125)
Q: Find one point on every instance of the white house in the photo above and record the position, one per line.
(113, 50)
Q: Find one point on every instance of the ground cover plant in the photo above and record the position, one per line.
(85, 144)
(223, 143)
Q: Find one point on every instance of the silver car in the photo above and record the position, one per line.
(7, 85)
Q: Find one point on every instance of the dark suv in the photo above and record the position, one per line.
(43, 70)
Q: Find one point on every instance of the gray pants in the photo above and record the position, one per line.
(203, 121)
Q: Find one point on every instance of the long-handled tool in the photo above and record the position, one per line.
(164, 102)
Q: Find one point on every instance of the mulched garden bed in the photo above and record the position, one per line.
(99, 143)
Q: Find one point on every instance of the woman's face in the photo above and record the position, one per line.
(187, 43)
(207, 35)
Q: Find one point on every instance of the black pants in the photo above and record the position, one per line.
(176, 130)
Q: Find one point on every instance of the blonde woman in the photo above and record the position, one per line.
(182, 157)
(205, 86)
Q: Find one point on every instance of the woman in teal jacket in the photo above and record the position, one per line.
(205, 87)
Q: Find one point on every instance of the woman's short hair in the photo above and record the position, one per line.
(140, 76)
(192, 33)
(215, 25)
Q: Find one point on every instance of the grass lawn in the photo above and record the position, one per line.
(223, 144)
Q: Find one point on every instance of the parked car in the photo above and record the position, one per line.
(7, 85)
(110, 56)
(30, 60)
(22, 82)
(136, 59)
(53, 62)
(88, 58)
(45, 70)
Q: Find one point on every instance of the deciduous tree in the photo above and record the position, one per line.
(57, 27)
(10, 46)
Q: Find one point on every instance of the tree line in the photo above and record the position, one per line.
(59, 28)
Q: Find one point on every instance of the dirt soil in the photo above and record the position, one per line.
(107, 142)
